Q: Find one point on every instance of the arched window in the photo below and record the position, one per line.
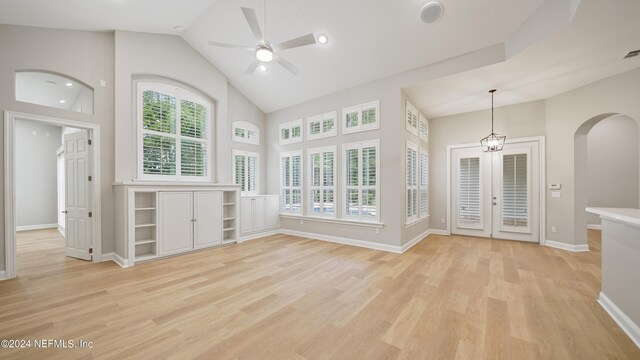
(174, 133)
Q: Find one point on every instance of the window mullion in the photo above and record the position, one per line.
(178, 138)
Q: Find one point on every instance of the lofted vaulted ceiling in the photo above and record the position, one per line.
(374, 39)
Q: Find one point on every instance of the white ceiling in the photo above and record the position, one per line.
(154, 16)
(48, 89)
(590, 48)
(369, 40)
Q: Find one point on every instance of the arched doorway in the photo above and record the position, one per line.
(582, 174)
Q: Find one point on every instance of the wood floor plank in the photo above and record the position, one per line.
(286, 297)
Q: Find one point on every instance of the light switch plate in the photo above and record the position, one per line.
(555, 194)
(555, 186)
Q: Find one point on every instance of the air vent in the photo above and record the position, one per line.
(633, 53)
(431, 12)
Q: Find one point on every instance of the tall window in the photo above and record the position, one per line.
(246, 171)
(411, 166)
(424, 182)
(469, 192)
(322, 169)
(291, 182)
(361, 190)
(174, 134)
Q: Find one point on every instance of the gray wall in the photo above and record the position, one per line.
(36, 178)
(86, 56)
(516, 121)
(241, 109)
(612, 163)
(390, 134)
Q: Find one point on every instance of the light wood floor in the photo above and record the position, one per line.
(285, 297)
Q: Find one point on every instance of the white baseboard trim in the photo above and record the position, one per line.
(36, 227)
(3, 275)
(116, 259)
(565, 246)
(259, 235)
(414, 241)
(594, 226)
(344, 241)
(627, 325)
(439, 232)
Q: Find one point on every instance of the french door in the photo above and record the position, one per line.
(496, 194)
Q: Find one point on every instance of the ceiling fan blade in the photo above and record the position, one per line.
(297, 42)
(232, 46)
(252, 67)
(287, 65)
(252, 20)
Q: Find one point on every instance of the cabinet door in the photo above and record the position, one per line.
(176, 227)
(207, 209)
(247, 211)
(259, 213)
(271, 216)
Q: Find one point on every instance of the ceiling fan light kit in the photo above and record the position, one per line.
(264, 51)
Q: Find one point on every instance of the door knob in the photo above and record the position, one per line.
(495, 203)
(64, 211)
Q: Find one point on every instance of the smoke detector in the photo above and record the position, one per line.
(431, 12)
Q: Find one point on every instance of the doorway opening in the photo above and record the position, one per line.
(40, 151)
(606, 169)
(497, 194)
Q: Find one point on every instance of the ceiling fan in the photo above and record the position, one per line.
(265, 52)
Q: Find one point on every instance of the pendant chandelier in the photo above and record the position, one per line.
(493, 141)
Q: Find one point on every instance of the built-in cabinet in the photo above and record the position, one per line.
(169, 220)
(259, 213)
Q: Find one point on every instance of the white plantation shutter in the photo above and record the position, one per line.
(424, 182)
(174, 127)
(361, 117)
(411, 165)
(515, 190)
(411, 118)
(291, 182)
(469, 191)
(321, 126)
(424, 128)
(321, 181)
(246, 132)
(361, 181)
(246, 168)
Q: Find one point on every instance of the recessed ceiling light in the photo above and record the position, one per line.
(69, 84)
(62, 101)
(431, 12)
(323, 39)
(262, 67)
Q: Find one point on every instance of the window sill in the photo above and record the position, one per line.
(333, 221)
(414, 222)
(171, 183)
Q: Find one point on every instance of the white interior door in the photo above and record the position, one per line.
(61, 187)
(496, 194)
(77, 195)
(207, 208)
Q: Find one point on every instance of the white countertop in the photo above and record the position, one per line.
(629, 216)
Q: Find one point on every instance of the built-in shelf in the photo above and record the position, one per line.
(147, 241)
(229, 229)
(144, 257)
(228, 204)
(229, 218)
(145, 208)
(144, 225)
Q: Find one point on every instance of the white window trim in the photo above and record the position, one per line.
(311, 187)
(411, 182)
(247, 154)
(360, 145)
(424, 136)
(290, 125)
(423, 214)
(360, 127)
(321, 118)
(290, 155)
(180, 94)
(411, 114)
(246, 126)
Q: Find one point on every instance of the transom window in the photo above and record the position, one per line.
(321, 126)
(246, 132)
(361, 118)
(291, 132)
(411, 118)
(174, 134)
(361, 190)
